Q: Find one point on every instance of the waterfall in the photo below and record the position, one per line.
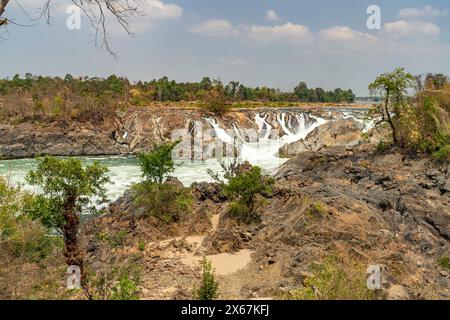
(261, 147)
(264, 128)
(221, 133)
(366, 125)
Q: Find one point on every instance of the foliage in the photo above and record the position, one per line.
(168, 202)
(421, 123)
(63, 180)
(432, 121)
(125, 289)
(316, 209)
(119, 282)
(244, 189)
(141, 246)
(48, 99)
(157, 164)
(67, 190)
(304, 94)
(215, 101)
(209, 287)
(334, 280)
(383, 146)
(23, 243)
(21, 238)
(444, 263)
(392, 87)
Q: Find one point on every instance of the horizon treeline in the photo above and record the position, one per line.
(142, 92)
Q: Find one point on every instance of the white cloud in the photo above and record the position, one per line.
(271, 15)
(156, 9)
(340, 34)
(288, 32)
(153, 9)
(404, 28)
(426, 11)
(219, 28)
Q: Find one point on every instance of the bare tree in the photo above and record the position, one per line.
(96, 11)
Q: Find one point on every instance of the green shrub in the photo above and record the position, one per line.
(209, 287)
(165, 201)
(245, 188)
(157, 164)
(125, 289)
(141, 246)
(215, 102)
(444, 263)
(333, 280)
(119, 282)
(118, 239)
(316, 209)
(383, 146)
(434, 137)
(20, 236)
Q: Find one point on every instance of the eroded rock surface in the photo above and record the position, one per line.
(346, 133)
(361, 207)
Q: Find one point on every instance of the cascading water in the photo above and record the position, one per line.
(263, 150)
(360, 118)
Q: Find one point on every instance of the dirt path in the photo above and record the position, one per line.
(174, 266)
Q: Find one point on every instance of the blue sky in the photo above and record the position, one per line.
(258, 42)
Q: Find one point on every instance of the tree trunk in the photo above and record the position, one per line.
(389, 120)
(73, 254)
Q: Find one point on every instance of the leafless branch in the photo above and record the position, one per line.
(97, 13)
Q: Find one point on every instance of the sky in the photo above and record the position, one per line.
(277, 43)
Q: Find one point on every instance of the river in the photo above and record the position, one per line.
(124, 171)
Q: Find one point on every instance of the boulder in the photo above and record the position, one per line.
(345, 133)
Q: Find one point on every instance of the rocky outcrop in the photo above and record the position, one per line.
(345, 133)
(363, 208)
(138, 129)
(28, 140)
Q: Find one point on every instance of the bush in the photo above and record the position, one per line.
(165, 201)
(433, 123)
(141, 246)
(245, 188)
(209, 287)
(333, 280)
(30, 262)
(383, 146)
(115, 283)
(157, 165)
(216, 103)
(125, 289)
(20, 237)
(444, 263)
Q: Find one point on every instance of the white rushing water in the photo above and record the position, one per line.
(261, 151)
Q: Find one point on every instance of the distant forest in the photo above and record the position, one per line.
(143, 92)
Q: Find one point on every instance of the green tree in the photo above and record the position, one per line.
(157, 164)
(393, 88)
(67, 191)
(244, 189)
(302, 92)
